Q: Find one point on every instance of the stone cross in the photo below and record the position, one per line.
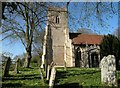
(16, 66)
(52, 77)
(108, 70)
(7, 67)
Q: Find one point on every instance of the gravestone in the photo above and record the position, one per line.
(7, 67)
(16, 66)
(49, 69)
(48, 72)
(108, 70)
(52, 77)
(41, 75)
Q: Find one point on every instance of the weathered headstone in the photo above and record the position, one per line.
(41, 75)
(49, 70)
(16, 66)
(52, 77)
(7, 67)
(108, 70)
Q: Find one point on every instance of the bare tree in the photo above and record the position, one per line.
(27, 17)
(38, 45)
(91, 14)
(117, 32)
(23, 23)
(85, 30)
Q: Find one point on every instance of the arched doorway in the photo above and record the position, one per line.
(77, 57)
(94, 60)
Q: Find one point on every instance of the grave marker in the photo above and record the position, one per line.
(7, 67)
(108, 70)
(52, 77)
(16, 66)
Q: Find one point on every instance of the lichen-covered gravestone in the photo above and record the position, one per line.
(16, 66)
(108, 70)
(7, 67)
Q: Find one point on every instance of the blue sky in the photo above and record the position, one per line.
(16, 48)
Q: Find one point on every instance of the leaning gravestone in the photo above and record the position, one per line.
(52, 77)
(108, 70)
(16, 66)
(49, 70)
(7, 67)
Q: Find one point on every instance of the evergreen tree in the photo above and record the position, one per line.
(111, 46)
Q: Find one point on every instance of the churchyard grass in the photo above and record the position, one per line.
(80, 77)
(118, 74)
(27, 77)
(30, 77)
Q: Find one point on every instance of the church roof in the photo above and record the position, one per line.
(78, 38)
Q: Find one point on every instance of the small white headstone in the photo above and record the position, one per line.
(48, 72)
(108, 70)
(52, 77)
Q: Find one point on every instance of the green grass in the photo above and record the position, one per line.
(27, 77)
(30, 77)
(79, 77)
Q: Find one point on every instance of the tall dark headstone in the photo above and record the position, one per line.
(7, 67)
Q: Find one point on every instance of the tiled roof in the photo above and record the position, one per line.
(85, 38)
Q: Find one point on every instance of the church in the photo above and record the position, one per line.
(68, 49)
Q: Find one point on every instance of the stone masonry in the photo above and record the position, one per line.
(57, 45)
(68, 49)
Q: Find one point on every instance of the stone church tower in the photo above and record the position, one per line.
(57, 45)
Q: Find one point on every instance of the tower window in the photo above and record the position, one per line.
(57, 19)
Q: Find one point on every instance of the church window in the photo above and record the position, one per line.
(57, 19)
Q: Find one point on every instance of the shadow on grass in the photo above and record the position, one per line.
(20, 85)
(76, 85)
(62, 74)
(12, 83)
(65, 74)
(26, 69)
(21, 77)
(118, 82)
(68, 85)
(4, 85)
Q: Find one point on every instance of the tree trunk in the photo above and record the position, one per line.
(28, 58)
(29, 37)
(28, 42)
